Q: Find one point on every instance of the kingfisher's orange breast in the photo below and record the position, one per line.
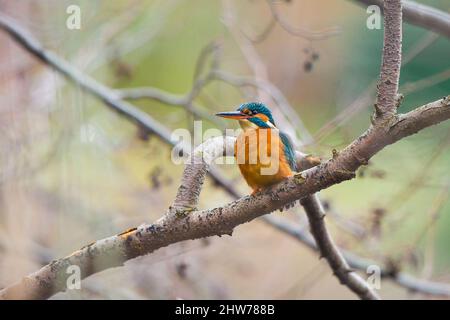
(260, 156)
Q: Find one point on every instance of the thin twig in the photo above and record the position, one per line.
(302, 32)
(365, 99)
(401, 278)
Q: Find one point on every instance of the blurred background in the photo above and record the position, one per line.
(73, 171)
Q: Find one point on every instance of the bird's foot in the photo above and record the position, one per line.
(255, 191)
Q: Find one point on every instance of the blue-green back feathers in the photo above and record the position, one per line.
(288, 151)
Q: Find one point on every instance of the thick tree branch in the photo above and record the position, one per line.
(331, 253)
(196, 169)
(421, 15)
(325, 245)
(387, 101)
(260, 74)
(166, 98)
(173, 227)
(420, 118)
(191, 185)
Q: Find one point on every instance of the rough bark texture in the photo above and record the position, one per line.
(196, 169)
(331, 253)
(421, 15)
(190, 188)
(387, 100)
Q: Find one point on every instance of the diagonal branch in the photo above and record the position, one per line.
(301, 32)
(218, 75)
(401, 278)
(331, 253)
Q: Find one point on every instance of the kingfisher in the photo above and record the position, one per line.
(260, 164)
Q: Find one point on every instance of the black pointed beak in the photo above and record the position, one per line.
(237, 115)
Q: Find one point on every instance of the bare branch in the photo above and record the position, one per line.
(87, 83)
(166, 98)
(420, 118)
(264, 34)
(186, 101)
(401, 278)
(151, 93)
(365, 99)
(195, 172)
(426, 82)
(171, 228)
(386, 104)
(331, 252)
(290, 121)
(311, 35)
(328, 250)
(217, 75)
(189, 191)
(302, 32)
(310, 203)
(421, 15)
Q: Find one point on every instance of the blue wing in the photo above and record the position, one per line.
(288, 150)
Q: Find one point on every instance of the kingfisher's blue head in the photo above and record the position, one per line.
(254, 112)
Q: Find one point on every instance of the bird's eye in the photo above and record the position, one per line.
(255, 112)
